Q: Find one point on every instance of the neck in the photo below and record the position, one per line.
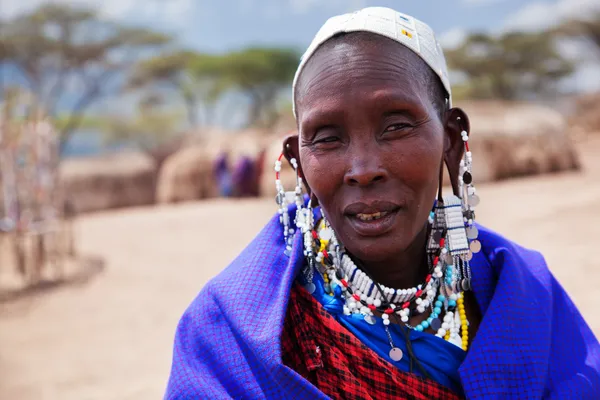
(405, 270)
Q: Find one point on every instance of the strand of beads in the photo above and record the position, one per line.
(469, 196)
(464, 323)
(360, 293)
(360, 298)
(284, 217)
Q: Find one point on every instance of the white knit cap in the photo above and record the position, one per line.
(404, 29)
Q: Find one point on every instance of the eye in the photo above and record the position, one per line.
(397, 127)
(326, 135)
(328, 139)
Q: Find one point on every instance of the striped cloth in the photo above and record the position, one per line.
(325, 353)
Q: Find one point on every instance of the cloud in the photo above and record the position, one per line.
(452, 38)
(337, 6)
(480, 2)
(168, 11)
(302, 6)
(540, 15)
(586, 79)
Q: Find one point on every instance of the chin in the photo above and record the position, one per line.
(377, 249)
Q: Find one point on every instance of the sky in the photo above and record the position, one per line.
(221, 25)
(224, 25)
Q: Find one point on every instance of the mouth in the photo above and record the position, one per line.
(374, 219)
(372, 216)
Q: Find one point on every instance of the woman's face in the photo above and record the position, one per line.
(371, 145)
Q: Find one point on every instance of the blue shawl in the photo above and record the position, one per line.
(532, 342)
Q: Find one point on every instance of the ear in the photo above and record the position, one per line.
(291, 149)
(455, 121)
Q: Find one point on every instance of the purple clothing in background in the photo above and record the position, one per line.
(532, 342)
(222, 175)
(243, 177)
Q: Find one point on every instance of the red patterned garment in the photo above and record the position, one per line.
(317, 347)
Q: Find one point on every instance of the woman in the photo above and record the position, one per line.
(382, 286)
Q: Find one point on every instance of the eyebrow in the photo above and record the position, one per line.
(388, 100)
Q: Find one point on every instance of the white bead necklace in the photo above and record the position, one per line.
(362, 295)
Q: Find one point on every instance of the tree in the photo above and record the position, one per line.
(152, 129)
(259, 73)
(587, 29)
(513, 66)
(70, 58)
(167, 70)
(193, 76)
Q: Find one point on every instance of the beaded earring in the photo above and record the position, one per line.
(469, 197)
(283, 199)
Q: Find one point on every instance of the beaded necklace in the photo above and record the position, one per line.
(440, 293)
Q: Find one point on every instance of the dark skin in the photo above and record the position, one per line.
(371, 140)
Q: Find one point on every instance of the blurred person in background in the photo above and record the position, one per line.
(222, 175)
(377, 285)
(244, 177)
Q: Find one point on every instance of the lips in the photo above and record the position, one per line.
(373, 219)
(371, 208)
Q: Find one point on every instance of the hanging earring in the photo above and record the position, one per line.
(469, 196)
(468, 201)
(284, 199)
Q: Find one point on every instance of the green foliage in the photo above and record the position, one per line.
(59, 47)
(260, 73)
(587, 29)
(513, 66)
(201, 79)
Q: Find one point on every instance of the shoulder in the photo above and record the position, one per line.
(503, 266)
(500, 251)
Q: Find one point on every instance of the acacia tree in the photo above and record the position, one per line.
(152, 129)
(201, 79)
(259, 73)
(587, 29)
(513, 66)
(194, 77)
(168, 70)
(69, 57)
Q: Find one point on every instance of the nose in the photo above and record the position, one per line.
(365, 169)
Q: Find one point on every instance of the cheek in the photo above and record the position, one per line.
(417, 165)
(324, 175)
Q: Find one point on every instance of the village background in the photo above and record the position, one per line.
(137, 143)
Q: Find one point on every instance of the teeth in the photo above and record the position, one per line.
(371, 217)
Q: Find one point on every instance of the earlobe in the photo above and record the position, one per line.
(291, 148)
(455, 122)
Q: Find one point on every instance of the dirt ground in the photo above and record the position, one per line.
(107, 333)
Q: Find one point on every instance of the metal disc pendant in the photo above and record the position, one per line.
(436, 324)
(310, 287)
(466, 286)
(279, 198)
(369, 319)
(475, 246)
(474, 200)
(396, 354)
(472, 232)
(467, 256)
(326, 234)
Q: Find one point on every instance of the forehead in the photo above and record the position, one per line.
(360, 65)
